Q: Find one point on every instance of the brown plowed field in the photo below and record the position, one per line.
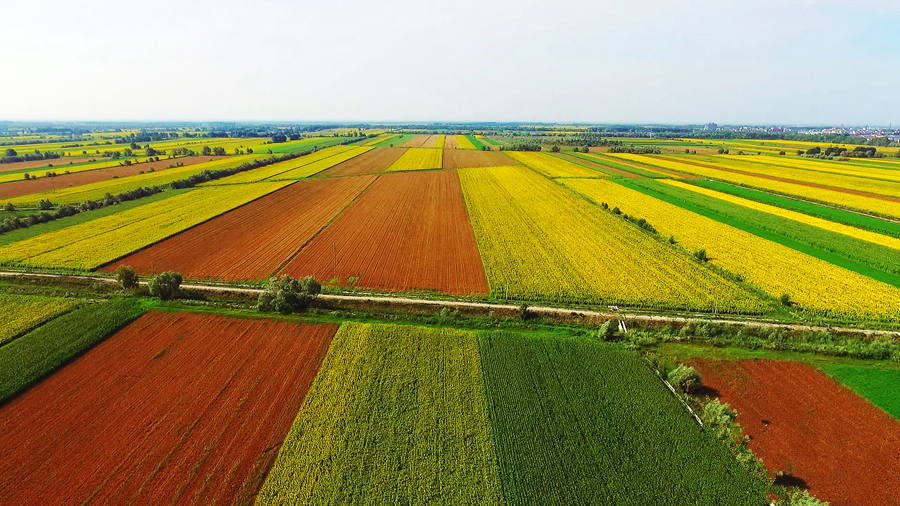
(173, 409)
(450, 142)
(19, 188)
(375, 161)
(801, 420)
(254, 240)
(431, 141)
(465, 158)
(416, 142)
(58, 163)
(410, 231)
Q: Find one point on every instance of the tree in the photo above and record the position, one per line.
(9, 207)
(785, 300)
(700, 254)
(10, 152)
(219, 151)
(207, 151)
(801, 497)
(166, 285)
(718, 417)
(523, 311)
(287, 295)
(45, 205)
(814, 150)
(607, 331)
(126, 277)
(128, 152)
(278, 138)
(686, 379)
(554, 149)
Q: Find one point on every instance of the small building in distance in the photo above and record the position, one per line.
(711, 127)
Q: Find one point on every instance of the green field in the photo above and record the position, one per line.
(394, 141)
(880, 386)
(584, 422)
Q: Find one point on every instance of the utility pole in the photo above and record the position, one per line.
(334, 261)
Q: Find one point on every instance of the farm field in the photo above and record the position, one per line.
(609, 168)
(641, 169)
(19, 188)
(395, 412)
(883, 206)
(408, 232)
(539, 241)
(43, 164)
(175, 421)
(314, 168)
(98, 190)
(814, 284)
(420, 141)
(94, 243)
(418, 159)
(450, 143)
(552, 166)
(877, 385)
(244, 244)
(21, 313)
(870, 171)
(463, 142)
(394, 142)
(627, 442)
(464, 158)
(375, 161)
(804, 423)
(277, 169)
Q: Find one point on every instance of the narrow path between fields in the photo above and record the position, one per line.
(482, 305)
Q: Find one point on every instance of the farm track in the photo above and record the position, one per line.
(488, 306)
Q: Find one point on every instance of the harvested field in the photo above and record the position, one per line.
(450, 142)
(418, 141)
(465, 158)
(410, 231)
(803, 422)
(432, 142)
(373, 162)
(166, 411)
(58, 163)
(246, 244)
(19, 188)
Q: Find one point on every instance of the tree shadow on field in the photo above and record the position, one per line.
(708, 391)
(788, 480)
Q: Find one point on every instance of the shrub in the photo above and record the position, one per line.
(718, 418)
(700, 255)
(286, 294)
(126, 277)
(686, 379)
(523, 311)
(785, 300)
(166, 285)
(607, 331)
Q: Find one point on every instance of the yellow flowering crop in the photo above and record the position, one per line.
(418, 159)
(552, 166)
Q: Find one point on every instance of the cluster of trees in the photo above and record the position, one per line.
(287, 295)
(522, 146)
(11, 156)
(640, 222)
(835, 151)
(638, 150)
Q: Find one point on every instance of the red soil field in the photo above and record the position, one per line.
(450, 143)
(375, 161)
(58, 163)
(792, 181)
(173, 409)
(464, 158)
(410, 231)
(19, 188)
(416, 142)
(801, 420)
(254, 240)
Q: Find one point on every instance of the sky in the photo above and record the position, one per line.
(792, 62)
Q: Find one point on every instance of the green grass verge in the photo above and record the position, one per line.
(35, 355)
(836, 215)
(301, 145)
(577, 421)
(872, 260)
(492, 142)
(43, 228)
(582, 161)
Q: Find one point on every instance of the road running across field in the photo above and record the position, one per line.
(548, 310)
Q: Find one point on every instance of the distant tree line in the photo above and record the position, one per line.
(11, 156)
(839, 152)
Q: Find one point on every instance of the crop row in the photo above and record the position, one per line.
(815, 284)
(539, 241)
(552, 166)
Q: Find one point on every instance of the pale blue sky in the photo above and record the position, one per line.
(749, 62)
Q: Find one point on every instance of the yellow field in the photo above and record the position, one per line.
(832, 167)
(539, 241)
(94, 243)
(381, 138)
(439, 144)
(315, 167)
(22, 313)
(60, 168)
(98, 190)
(883, 207)
(277, 169)
(463, 142)
(552, 166)
(790, 147)
(761, 165)
(418, 159)
(865, 235)
(814, 284)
